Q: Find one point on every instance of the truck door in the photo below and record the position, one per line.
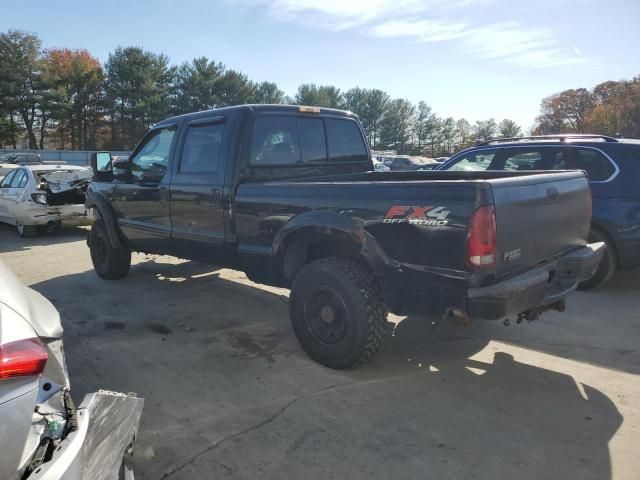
(142, 203)
(197, 200)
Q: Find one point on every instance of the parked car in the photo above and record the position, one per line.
(39, 196)
(44, 435)
(9, 161)
(380, 167)
(613, 168)
(286, 194)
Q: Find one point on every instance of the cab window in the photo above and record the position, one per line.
(201, 150)
(274, 141)
(312, 140)
(346, 143)
(152, 157)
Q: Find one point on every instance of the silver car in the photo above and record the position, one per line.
(44, 195)
(42, 434)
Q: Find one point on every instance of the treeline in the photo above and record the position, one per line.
(66, 99)
(610, 108)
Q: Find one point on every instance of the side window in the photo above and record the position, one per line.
(6, 181)
(312, 140)
(152, 157)
(345, 140)
(23, 181)
(18, 178)
(542, 158)
(274, 140)
(597, 166)
(474, 161)
(201, 150)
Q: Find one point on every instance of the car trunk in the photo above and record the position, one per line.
(64, 187)
(539, 217)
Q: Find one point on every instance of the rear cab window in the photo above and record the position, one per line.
(19, 180)
(292, 139)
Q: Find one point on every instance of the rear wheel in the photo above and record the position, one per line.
(26, 231)
(337, 312)
(607, 267)
(109, 263)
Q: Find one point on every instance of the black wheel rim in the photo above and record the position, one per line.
(326, 315)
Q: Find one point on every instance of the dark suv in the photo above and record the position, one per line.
(613, 167)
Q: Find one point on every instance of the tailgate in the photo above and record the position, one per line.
(539, 217)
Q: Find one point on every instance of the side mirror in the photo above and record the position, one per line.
(121, 168)
(101, 164)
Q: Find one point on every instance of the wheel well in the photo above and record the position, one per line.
(305, 248)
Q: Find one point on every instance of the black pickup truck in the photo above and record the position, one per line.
(286, 194)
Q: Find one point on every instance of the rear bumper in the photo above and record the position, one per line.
(107, 425)
(538, 288)
(44, 215)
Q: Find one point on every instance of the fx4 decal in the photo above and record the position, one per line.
(431, 216)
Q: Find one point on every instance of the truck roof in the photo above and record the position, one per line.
(258, 108)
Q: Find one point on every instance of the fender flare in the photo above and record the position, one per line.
(97, 201)
(321, 225)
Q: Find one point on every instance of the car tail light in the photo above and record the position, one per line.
(22, 358)
(481, 239)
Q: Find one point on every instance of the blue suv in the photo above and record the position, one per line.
(613, 167)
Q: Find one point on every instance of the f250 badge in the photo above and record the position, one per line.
(431, 216)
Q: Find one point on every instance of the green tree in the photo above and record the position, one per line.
(138, 92)
(21, 83)
(377, 103)
(424, 124)
(235, 88)
(319, 96)
(397, 125)
(197, 85)
(464, 134)
(269, 93)
(509, 128)
(485, 130)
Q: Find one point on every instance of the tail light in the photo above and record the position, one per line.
(22, 358)
(481, 239)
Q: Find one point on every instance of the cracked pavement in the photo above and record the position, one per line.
(229, 393)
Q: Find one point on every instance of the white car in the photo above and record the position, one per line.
(43, 435)
(380, 167)
(44, 195)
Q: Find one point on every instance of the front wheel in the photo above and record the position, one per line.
(607, 267)
(337, 312)
(109, 263)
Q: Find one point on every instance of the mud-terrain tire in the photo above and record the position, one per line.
(608, 264)
(337, 312)
(109, 263)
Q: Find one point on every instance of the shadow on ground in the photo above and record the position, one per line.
(11, 240)
(229, 392)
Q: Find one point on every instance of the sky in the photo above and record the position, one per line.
(466, 58)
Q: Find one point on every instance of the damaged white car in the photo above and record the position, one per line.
(38, 196)
(43, 435)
